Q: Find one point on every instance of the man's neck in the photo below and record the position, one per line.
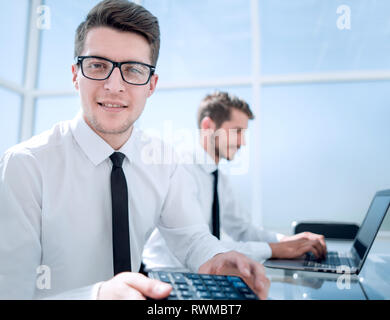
(115, 140)
(210, 150)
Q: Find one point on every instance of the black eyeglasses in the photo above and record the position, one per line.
(132, 72)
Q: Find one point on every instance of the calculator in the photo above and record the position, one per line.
(194, 286)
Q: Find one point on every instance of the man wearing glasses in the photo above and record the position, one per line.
(79, 201)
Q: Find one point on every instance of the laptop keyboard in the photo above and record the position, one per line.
(193, 286)
(332, 260)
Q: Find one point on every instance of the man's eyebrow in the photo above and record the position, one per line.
(121, 60)
(96, 55)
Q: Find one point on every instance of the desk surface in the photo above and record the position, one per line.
(373, 281)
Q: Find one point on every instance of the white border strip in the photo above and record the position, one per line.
(12, 86)
(27, 116)
(257, 194)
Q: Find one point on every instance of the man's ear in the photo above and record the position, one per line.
(152, 84)
(75, 79)
(207, 124)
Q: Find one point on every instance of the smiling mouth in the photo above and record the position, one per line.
(112, 106)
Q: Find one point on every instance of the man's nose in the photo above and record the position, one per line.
(242, 141)
(115, 82)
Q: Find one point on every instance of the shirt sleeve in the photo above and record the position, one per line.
(236, 223)
(182, 224)
(256, 250)
(20, 230)
(20, 245)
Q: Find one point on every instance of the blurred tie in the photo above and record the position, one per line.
(120, 215)
(215, 213)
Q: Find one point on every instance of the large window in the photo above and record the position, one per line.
(324, 150)
(314, 72)
(310, 36)
(13, 44)
(203, 40)
(12, 56)
(9, 121)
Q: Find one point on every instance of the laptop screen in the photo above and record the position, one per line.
(371, 224)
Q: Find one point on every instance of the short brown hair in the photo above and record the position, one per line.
(121, 15)
(218, 107)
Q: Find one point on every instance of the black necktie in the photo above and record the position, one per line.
(120, 215)
(215, 209)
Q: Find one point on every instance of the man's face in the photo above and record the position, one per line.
(98, 98)
(231, 135)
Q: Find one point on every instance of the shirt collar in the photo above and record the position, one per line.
(96, 149)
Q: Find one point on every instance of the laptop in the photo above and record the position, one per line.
(344, 262)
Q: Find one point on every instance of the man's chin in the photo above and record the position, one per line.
(111, 128)
(230, 156)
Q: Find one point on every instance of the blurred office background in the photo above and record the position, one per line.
(316, 74)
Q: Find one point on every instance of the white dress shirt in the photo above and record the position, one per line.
(238, 232)
(55, 211)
